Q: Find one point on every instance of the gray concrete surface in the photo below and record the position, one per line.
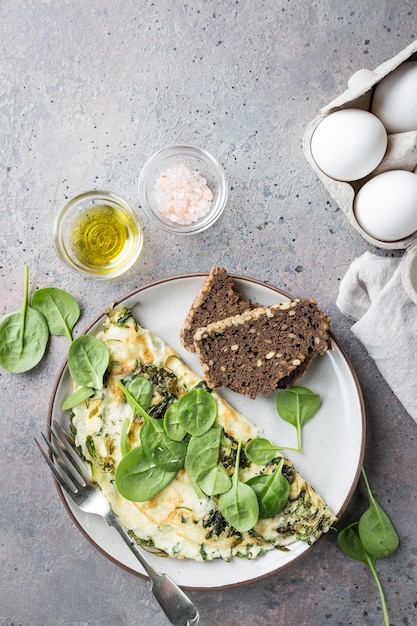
(88, 91)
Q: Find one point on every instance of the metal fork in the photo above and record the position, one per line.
(73, 477)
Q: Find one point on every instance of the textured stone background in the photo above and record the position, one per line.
(89, 89)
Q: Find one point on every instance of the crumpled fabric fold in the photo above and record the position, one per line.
(372, 294)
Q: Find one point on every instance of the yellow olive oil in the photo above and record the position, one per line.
(101, 237)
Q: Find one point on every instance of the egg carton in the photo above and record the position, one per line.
(401, 154)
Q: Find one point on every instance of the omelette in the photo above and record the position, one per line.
(180, 517)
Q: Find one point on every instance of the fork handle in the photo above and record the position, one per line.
(176, 605)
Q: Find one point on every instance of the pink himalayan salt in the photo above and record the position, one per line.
(182, 195)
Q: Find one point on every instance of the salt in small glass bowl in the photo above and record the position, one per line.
(98, 234)
(196, 160)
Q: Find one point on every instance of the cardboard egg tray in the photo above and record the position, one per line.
(401, 152)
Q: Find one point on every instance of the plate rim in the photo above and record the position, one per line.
(343, 506)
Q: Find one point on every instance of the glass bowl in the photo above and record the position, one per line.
(175, 197)
(98, 234)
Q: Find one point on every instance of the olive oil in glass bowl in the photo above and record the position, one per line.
(97, 234)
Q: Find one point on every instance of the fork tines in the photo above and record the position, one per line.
(63, 461)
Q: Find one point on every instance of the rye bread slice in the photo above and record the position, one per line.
(263, 349)
(218, 298)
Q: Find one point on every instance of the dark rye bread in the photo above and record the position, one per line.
(218, 298)
(264, 349)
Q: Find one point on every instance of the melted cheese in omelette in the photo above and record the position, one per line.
(177, 521)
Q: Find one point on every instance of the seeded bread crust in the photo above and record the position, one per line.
(218, 298)
(264, 349)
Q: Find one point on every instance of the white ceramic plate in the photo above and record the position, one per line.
(333, 441)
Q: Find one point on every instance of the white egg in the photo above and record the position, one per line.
(349, 144)
(386, 206)
(395, 99)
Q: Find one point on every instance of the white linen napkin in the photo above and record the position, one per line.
(372, 293)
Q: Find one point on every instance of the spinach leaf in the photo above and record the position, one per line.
(166, 453)
(239, 506)
(371, 538)
(272, 491)
(202, 455)
(88, 358)
(351, 545)
(173, 428)
(124, 436)
(215, 481)
(161, 449)
(197, 411)
(23, 336)
(141, 389)
(59, 308)
(261, 451)
(297, 406)
(376, 531)
(81, 394)
(138, 479)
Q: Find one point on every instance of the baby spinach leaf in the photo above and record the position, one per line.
(197, 411)
(124, 436)
(173, 428)
(59, 308)
(371, 538)
(166, 453)
(161, 449)
(132, 401)
(88, 358)
(138, 479)
(81, 394)
(215, 481)
(261, 451)
(202, 455)
(141, 389)
(376, 532)
(23, 336)
(272, 491)
(350, 543)
(239, 506)
(297, 406)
